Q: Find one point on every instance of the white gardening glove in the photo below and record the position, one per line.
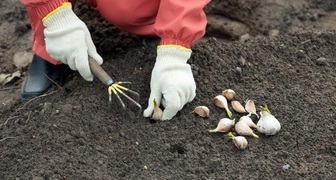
(68, 39)
(172, 80)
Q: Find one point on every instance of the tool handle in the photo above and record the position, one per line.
(99, 72)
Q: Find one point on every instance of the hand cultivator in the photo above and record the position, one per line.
(114, 88)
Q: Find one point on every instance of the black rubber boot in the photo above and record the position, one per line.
(37, 82)
(150, 41)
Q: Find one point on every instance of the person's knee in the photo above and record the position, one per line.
(127, 13)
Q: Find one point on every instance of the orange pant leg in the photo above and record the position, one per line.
(38, 43)
(133, 16)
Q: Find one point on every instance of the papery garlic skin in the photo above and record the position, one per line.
(224, 125)
(267, 123)
(240, 142)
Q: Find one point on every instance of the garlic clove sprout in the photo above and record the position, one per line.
(243, 129)
(221, 102)
(250, 107)
(237, 106)
(157, 112)
(229, 94)
(224, 125)
(248, 121)
(267, 123)
(202, 111)
(239, 141)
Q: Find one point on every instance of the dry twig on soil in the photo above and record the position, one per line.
(8, 120)
(3, 139)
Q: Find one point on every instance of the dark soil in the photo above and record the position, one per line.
(72, 133)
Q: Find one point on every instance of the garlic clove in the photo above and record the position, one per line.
(248, 121)
(250, 107)
(229, 94)
(157, 112)
(243, 129)
(202, 111)
(267, 123)
(240, 142)
(224, 125)
(221, 102)
(237, 106)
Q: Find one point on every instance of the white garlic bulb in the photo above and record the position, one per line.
(267, 123)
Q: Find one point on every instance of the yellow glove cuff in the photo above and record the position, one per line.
(64, 5)
(174, 46)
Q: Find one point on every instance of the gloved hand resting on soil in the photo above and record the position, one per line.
(172, 81)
